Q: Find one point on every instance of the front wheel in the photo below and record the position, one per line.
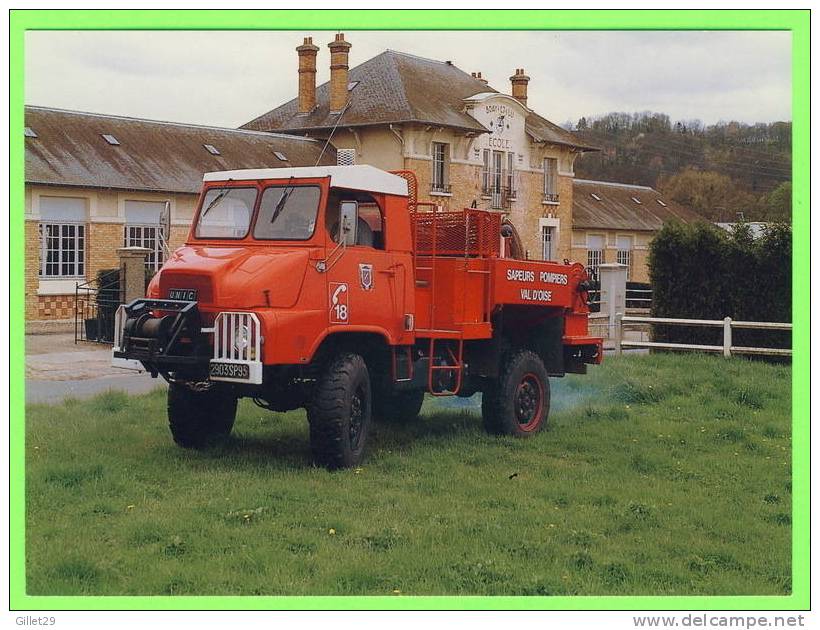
(340, 412)
(197, 418)
(518, 402)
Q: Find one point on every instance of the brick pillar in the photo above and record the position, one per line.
(132, 272)
(519, 86)
(307, 75)
(339, 50)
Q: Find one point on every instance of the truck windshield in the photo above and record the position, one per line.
(226, 213)
(287, 213)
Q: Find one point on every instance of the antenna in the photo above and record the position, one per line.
(332, 131)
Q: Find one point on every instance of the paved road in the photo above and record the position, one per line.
(57, 368)
(54, 391)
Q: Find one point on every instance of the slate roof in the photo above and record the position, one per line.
(69, 150)
(617, 209)
(396, 87)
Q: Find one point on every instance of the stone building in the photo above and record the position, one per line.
(467, 143)
(95, 183)
(614, 223)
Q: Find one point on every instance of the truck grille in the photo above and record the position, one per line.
(237, 337)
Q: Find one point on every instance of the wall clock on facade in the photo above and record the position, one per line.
(499, 124)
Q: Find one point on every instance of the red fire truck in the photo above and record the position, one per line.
(334, 289)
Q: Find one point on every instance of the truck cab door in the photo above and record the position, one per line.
(363, 285)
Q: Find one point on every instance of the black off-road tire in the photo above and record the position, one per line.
(397, 407)
(197, 419)
(518, 402)
(340, 412)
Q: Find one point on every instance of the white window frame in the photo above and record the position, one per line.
(595, 257)
(79, 262)
(624, 256)
(550, 167)
(441, 160)
(552, 224)
(511, 191)
(134, 235)
(485, 171)
(547, 242)
(497, 179)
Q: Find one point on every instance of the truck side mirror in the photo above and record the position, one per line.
(348, 222)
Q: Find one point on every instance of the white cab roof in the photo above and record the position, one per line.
(360, 177)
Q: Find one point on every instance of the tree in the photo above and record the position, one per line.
(778, 204)
(699, 271)
(714, 196)
(756, 157)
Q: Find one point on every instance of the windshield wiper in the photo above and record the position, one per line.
(216, 200)
(280, 205)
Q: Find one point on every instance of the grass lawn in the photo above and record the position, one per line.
(661, 474)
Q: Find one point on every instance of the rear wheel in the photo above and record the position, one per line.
(518, 402)
(197, 418)
(340, 412)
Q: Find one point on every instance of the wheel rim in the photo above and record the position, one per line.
(357, 412)
(529, 402)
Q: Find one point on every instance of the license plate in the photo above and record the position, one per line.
(231, 370)
(188, 295)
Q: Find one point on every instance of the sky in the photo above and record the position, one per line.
(226, 78)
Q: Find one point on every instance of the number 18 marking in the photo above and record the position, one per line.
(339, 312)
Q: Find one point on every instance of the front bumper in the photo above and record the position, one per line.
(167, 336)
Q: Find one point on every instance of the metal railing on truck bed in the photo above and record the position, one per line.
(467, 232)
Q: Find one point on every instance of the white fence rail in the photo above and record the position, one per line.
(727, 324)
(639, 298)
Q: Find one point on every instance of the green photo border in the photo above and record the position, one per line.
(796, 21)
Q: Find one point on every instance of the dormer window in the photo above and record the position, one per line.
(110, 139)
(280, 156)
(595, 197)
(211, 149)
(660, 202)
(30, 133)
(636, 200)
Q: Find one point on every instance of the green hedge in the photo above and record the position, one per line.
(700, 271)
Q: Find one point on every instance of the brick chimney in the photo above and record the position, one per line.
(339, 50)
(307, 75)
(519, 85)
(477, 75)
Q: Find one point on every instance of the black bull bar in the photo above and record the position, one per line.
(165, 335)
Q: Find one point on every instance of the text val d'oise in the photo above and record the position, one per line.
(528, 275)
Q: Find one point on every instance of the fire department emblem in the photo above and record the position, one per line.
(366, 276)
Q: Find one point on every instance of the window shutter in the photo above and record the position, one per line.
(62, 209)
(143, 212)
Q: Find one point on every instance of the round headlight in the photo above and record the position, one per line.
(242, 338)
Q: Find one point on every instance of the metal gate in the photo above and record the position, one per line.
(95, 305)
